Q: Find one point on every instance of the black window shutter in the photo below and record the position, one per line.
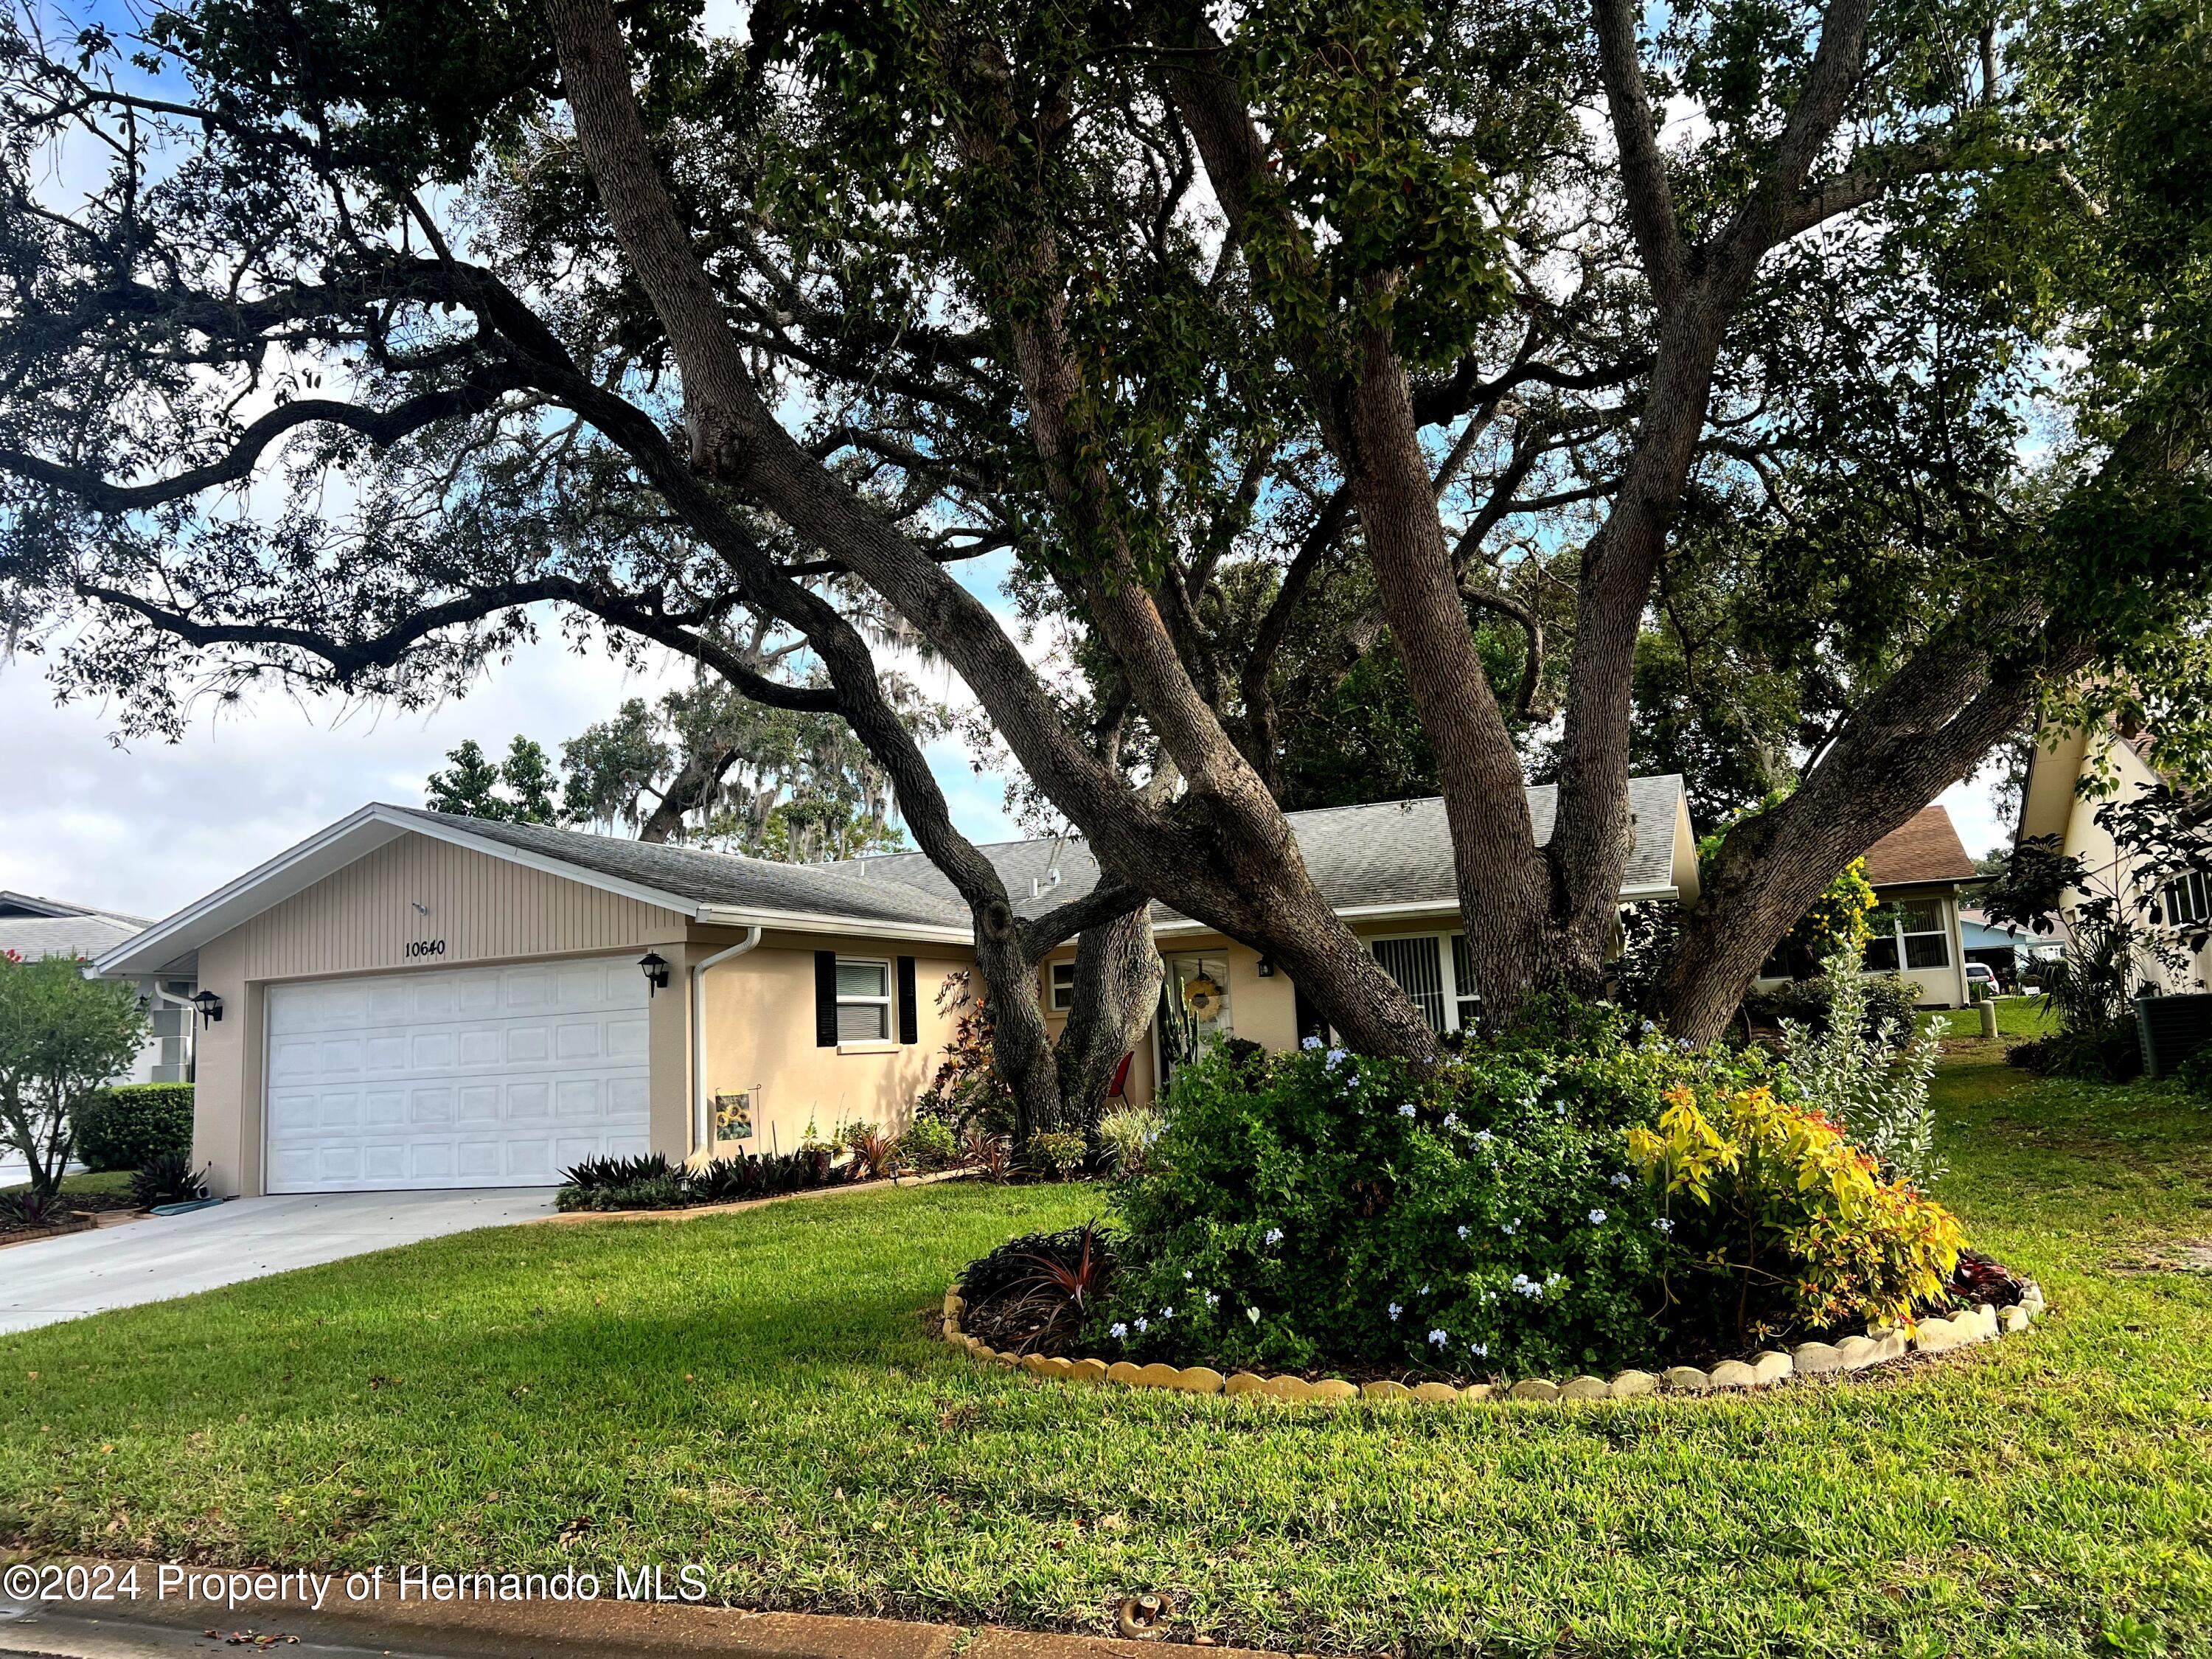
(909, 1014)
(1309, 1022)
(825, 998)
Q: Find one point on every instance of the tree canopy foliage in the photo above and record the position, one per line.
(1829, 379)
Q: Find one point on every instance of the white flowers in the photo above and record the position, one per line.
(1648, 1028)
(1664, 1225)
(1309, 1042)
(1275, 1235)
(1485, 1136)
(1119, 1331)
(1167, 1312)
(1212, 1300)
(1463, 1231)
(1510, 1228)
(1479, 1350)
(1597, 1218)
(1395, 1310)
(1526, 1286)
(1451, 1119)
(1143, 1326)
(1336, 1057)
(1439, 1337)
(1405, 1111)
(1425, 1290)
(1620, 1177)
(1186, 1274)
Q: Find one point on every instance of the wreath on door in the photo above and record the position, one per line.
(1204, 998)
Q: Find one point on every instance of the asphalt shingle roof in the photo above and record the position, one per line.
(711, 878)
(1386, 852)
(1925, 848)
(33, 927)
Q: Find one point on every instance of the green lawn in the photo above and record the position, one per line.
(761, 1392)
(107, 1183)
(2017, 1017)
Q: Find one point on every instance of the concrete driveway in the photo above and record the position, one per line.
(51, 1279)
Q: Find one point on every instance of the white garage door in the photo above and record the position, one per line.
(470, 1077)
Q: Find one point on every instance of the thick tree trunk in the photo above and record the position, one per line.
(1927, 727)
(1504, 886)
(1117, 988)
(1592, 835)
(1235, 865)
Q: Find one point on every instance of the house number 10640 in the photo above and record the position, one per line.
(426, 947)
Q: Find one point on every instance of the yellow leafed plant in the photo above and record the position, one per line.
(1776, 1199)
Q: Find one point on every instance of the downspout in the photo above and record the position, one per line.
(702, 1127)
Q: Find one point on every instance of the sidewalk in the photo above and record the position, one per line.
(174, 1628)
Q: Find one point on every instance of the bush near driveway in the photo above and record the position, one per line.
(760, 1392)
(132, 1124)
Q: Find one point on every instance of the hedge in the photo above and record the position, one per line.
(127, 1126)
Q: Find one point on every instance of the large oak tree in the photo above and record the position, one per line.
(386, 327)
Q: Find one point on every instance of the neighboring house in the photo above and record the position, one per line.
(2110, 765)
(409, 998)
(33, 927)
(1916, 872)
(2006, 950)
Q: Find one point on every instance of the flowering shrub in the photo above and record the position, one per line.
(1328, 1209)
(1793, 1221)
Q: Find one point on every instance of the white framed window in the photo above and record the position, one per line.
(1063, 987)
(1918, 935)
(1436, 971)
(864, 1000)
(2186, 901)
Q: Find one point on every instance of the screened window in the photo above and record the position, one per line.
(1463, 963)
(864, 1002)
(1413, 963)
(1063, 986)
(1917, 935)
(1436, 971)
(1920, 925)
(2186, 901)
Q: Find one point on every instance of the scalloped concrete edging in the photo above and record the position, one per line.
(1854, 1353)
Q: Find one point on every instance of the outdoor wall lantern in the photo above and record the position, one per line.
(655, 968)
(209, 1006)
(1266, 968)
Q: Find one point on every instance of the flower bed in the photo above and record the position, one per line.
(1580, 1200)
(1979, 1323)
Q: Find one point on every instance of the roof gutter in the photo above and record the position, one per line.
(703, 1127)
(807, 921)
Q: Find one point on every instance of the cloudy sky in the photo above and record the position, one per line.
(149, 828)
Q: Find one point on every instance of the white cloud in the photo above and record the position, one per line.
(1972, 804)
(148, 829)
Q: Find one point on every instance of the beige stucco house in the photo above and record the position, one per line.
(413, 999)
(2069, 776)
(1916, 872)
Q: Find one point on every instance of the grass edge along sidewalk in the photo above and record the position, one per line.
(269, 1603)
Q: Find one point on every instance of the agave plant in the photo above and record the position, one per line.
(167, 1178)
(592, 1174)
